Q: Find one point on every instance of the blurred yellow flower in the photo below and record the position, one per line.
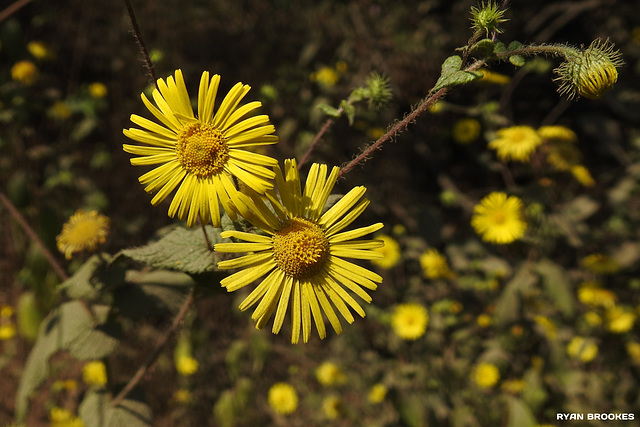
(283, 398)
(7, 331)
(325, 76)
(437, 107)
(341, 67)
(484, 320)
(583, 349)
(94, 373)
(377, 393)
(60, 110)
(515, 143)
(590, 294)
(39, 50)
(97, 90)
(329, 374)
(409, 321)
(434, 265)
(593, 319)
(375, 133)
(486, 375)
(547, 326)
(513, 386)
(83, 231)
(498, 218)
(558, 133)
(633, 349)
(60, 417)
(600, 264)
(492, 77)
(390, 252)
(332, 407)
(6, 311)
(183, 396)
(620, 319)
(466, 130)
(186, 365)
(24, 72)
(582, 175)
(563, 155)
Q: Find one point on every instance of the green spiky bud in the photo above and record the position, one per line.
(379, 91)
(591, 72)
(487, 18)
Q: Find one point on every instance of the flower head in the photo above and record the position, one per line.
(283, 398)
(409, 321)
(329, 374)
(516, 143)
(186, 365)
(201, 156)
(487, 18)
(583, 349)
(83, 231)
(390, 253)
(7, 331)
(582, 175)
(377, 393)
(94, 373)
(325, 76)
(332, 407)
(302, 253)
(434, 265)
(600, 264)
(39, 50)
(24, 72)
(60, 417)
(498, 218)
(466, 130)
(486, 375)
(620, 320)
(98, 90)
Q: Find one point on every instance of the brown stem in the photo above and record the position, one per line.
(315, 141)
(148, 364)
(10, 10)
(34, 237)
(137, 34)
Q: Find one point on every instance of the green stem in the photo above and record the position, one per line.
(532, 50)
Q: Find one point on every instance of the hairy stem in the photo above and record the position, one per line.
(327, 125)
(137, 34)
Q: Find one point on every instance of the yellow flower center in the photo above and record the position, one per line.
(300, 248)
(499, 217)
(84, 231)
(202, 149)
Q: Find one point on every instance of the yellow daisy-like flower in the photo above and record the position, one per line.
(516, 143)
(39, 50)
(187, 365)
(377, 393)
(486, 375)
(325, 76)
(583, 349)
(600, 264)
(466, 130)
(562, 155)
(633, 349)
(201, 156)
(332, 407)
(83, 231)
(7, 331)
(98, 90)
(434, 265)
(590, 294)
(484, 320)
(620, 320)
(329, 374)
(390, 253)
(302, 253)
(6, 311)
(60, 417)
(409, 321)
(498, 218)
(283, 398)
(94, 373)
(24, 72)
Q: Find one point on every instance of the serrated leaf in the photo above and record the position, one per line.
(556, 285)
(451, 75)
(92, 277)
(329, 110)
(96, 411)
(508, 305)
(182, 249)
(147, 293)
(517, 60)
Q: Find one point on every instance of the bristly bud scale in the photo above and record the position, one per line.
(487, 18)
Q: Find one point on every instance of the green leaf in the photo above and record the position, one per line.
(519, 414)
(451, 75)
(96, 411)
(93, 276)
(485, 45)
(182, 249)
(411, 410)
(329, 110)
(517, 60)
(508, 305)
(349, 110)
(556, 285)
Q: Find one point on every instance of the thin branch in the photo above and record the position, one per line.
(10, 10)
(34, 237)
(151, 360)
(317, 138)
(137, 34)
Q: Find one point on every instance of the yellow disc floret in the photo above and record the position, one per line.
(202, 149)
(300, 248)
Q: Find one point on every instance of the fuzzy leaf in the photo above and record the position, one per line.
(181, 249)
(451, 75)
(508, 305)
(96, 411)
(329, 110)
(93, 276)
(556, 285)
(485, 45)
(349, 110)
(517, 60)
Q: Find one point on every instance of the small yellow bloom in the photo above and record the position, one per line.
(390, 252)
(329, 374)
(375, 133)
(434, 265)
(513, 386)
(183, 396)
(620, 320)
(39, 50)
(437, 107)
(582, 175)
(633, 349)
(377, 393)
(547, 326)
(7, 331)
(557, 133)
(6, 311)
(283, 398)
(409, 321)
(486, 375)
(498, 218)
(325, 76)
(516, 143)
(24, 72)
(583, 349)
(341, 67)
(83, 231)
(94, 373)
(97, 90)
(484, 320)
(593, 319)
(186, 365)
(600, 264)
(60, 110)
(562, 155)
(466, 130)
(590, 294)
(60, 417)
(332, 407)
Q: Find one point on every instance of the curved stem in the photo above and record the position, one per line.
(137, 34)
(148, 364)
(317, 138)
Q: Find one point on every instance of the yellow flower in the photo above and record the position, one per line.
(493, 77)
(600, 264)
(325, 76)
(620, 320)
(590, 294)
(486, 375)
(97, 90)
(39, 50)
(186, 365)
(562, 155)
(24, 72)
(183, 396)
(376, 133)
(633, 349)
(60, 110)
(390, 253)
(557, 133)
(592, 318)
(83, 231)
(6, 311)
(582, 175)
(7, 331)
(332, 407)
(302, 253)
(283, 398)
(498, 218)
(547, 325)
(201, 156)
(434, 265)
(484, 320)
(330, 374)
(516, 143)
(409, 321)
(94, 373)
(63, 418)
(377, 393)
(466, 130)
(437, 107)
(583, 349)
(513, 386)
